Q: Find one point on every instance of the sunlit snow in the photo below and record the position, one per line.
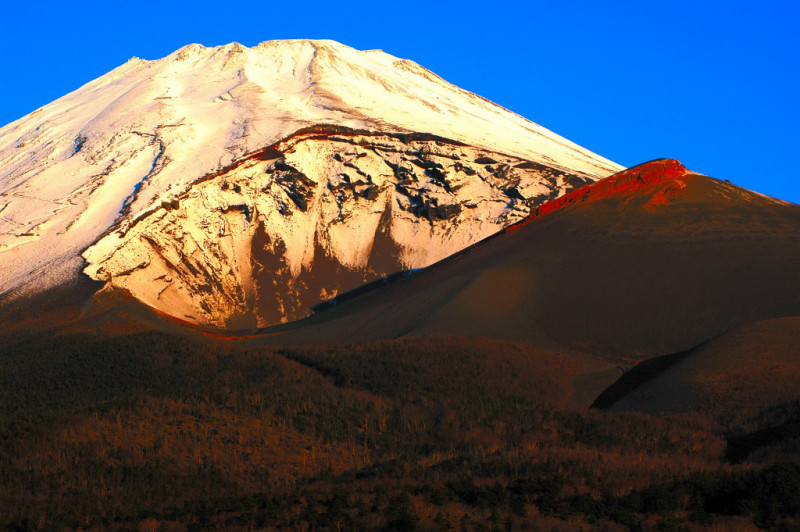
(143, 133)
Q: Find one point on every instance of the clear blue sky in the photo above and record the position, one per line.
(714, 84)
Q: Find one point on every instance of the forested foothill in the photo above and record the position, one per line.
(160, 431)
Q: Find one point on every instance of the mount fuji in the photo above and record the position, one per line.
(303, 286)
(235, 187)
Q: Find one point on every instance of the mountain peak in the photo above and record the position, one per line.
(638, 178)
(188, 51)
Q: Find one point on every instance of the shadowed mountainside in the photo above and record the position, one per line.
(726, 374)
(746, 382)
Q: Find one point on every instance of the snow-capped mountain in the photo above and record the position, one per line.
(236, 186)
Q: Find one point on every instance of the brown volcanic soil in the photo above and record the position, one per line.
(745, 384)
(651, 261)
(747, 371)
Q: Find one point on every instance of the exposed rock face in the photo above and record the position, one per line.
(321, 212)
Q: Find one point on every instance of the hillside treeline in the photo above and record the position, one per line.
(153, 431)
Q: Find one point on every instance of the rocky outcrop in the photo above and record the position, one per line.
(277, 232)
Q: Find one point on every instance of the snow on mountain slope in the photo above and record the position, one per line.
(320, 213)
(141, 135)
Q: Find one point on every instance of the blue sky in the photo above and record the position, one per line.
(713, 84)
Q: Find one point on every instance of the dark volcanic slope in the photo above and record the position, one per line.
(747, 382)
(747, 370)
(650, 261)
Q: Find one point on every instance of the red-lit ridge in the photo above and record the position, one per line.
(633, 179)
